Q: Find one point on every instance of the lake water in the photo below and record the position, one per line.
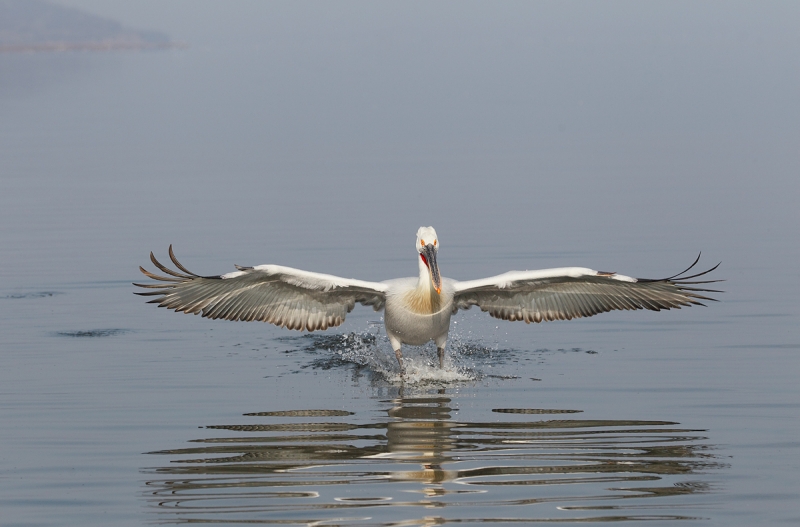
(530, 137)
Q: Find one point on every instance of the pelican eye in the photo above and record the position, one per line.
(434, 242)
(422, 243)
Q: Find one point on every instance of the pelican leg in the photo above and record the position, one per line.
(399, 355)
(441, 356)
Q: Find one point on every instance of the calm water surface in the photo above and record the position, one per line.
(255, 146)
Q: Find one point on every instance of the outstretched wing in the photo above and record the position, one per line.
(574, 292)
(283, 296)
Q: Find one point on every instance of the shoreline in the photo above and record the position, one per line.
(111, 45)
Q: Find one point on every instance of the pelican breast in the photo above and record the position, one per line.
(415, 315)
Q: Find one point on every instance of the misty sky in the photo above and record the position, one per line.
(512, 68)
(539, 125)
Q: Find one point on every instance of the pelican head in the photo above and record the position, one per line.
(428, 246)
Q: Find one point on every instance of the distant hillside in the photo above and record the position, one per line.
(36, 25)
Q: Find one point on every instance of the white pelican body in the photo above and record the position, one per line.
(413, 316)
(417, 310)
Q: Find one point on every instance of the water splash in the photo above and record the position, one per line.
(423, 372)
(371, 350)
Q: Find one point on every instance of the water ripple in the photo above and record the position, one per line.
(110, 332)
(34, 294)
(419, 466)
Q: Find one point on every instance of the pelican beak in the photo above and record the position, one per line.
(429, 252)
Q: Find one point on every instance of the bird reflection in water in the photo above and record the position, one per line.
(421, 430)
(520, 464)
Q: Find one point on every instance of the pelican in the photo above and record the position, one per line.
(416, 310)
